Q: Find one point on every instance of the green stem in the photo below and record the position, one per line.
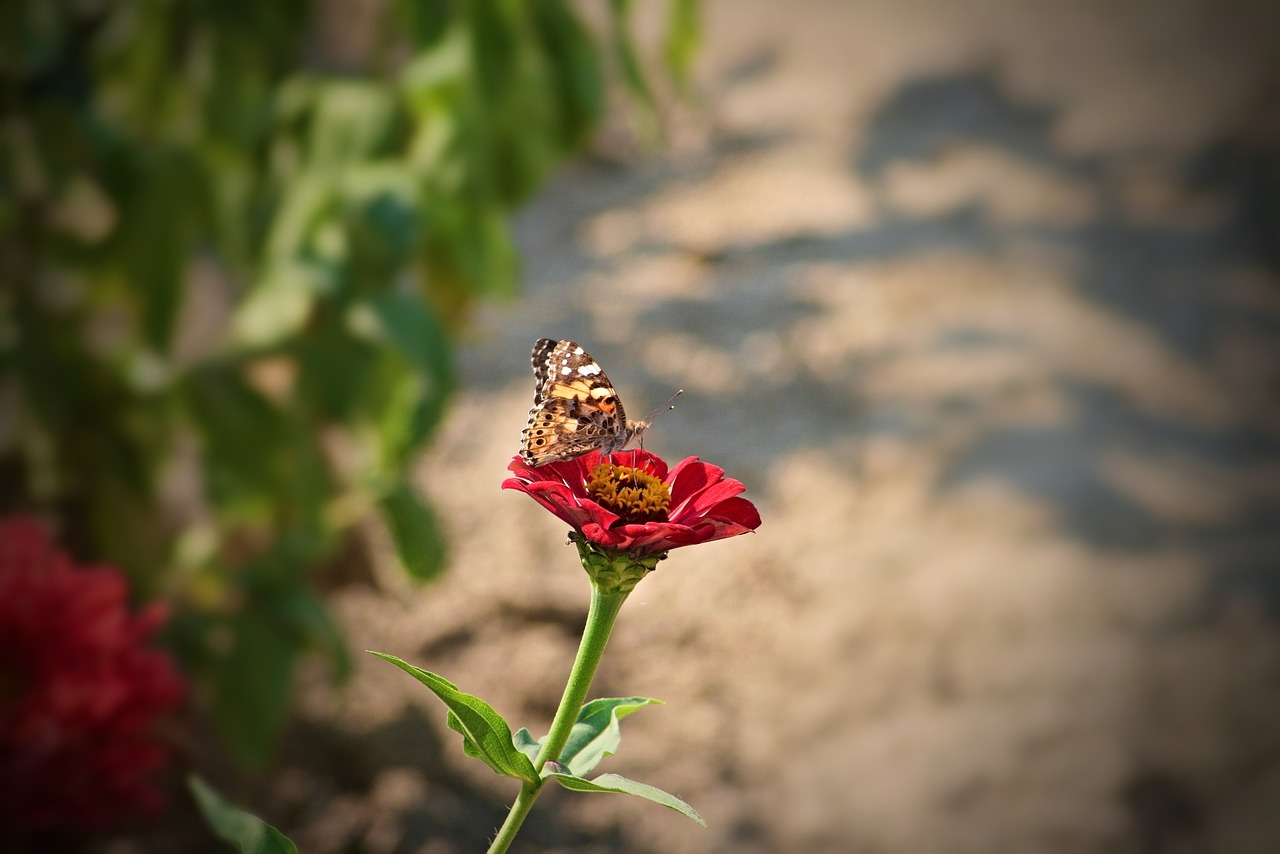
(600, 619)
(515, 818)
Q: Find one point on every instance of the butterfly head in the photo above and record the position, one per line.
(635, 430)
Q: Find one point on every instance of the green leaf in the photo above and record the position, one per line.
(574, 67)
(253, 685)
(419, 540)
(526, 743)
(616, 783)
(435, 82)
(306, 613)
(474, 249)
(279, 304)
(261, 459)
(307, 203)
(338, 376)
(486, 735)
(494, 45)
(164, 201)
(683, 36)
(354, 120)
(620, 34)
(409, 326)
(423, 22)
(597, 733)
(404, 326)
(383, 221)
(250, 834)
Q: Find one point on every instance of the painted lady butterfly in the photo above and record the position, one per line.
(575, 409)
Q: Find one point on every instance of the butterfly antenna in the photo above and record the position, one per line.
(666, 407)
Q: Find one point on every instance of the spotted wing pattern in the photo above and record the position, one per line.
(575, 409)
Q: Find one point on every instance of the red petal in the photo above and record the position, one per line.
(737, 511)
(562, 502)
(689, 477)
(702, 502)
(572, 473)
(600, 535)
(689, 480)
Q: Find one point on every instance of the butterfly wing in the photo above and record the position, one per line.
(541, 361)
(575, 409)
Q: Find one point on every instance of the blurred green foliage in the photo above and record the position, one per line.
(236, 238)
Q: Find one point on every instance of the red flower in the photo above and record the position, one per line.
(79, 690)
(636, 505)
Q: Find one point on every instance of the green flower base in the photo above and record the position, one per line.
(610, 571)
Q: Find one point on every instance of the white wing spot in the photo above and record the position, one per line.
(565, 370)
(588, 370)
(578, 351)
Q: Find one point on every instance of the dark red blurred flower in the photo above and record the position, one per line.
(79, 690)
(703, 504)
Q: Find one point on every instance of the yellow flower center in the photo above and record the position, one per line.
(635, 495)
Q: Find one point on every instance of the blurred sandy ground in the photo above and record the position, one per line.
(981, 301)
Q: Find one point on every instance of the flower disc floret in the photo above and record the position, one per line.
(634, 494)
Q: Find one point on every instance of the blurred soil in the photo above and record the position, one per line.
(981, 301)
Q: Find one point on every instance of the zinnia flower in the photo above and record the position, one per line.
(630, 503)
(79, 690)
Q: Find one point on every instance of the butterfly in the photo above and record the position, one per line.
(575, 409)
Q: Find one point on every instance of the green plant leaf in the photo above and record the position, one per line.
(624, 47)
(154, 241)
(354, 120)
(279, 305)
(492, 26)
(526, 743)
(622, 785)
(416, 336)
(383, 222)
(408, 325)
(338, 373)
(261, 459)
(303, 610)
(574, 68)
(597, 733)
(416, 531)
(424, 22)
(250, 834)
(253, 685)
(485, 734)
(306, 204)
(683, 36)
